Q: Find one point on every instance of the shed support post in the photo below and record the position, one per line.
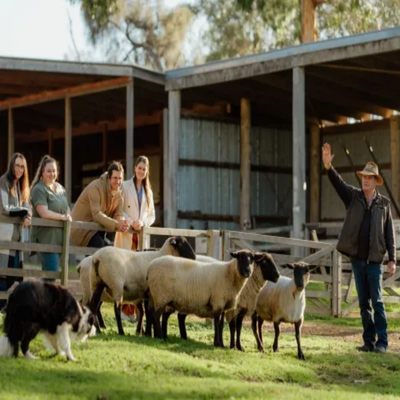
(171, 159)
(315, 168)
(65, 253)
(68, 149)
(245, 172)
(129, 129)
(10, 134)
(394, 154)
(299, 153)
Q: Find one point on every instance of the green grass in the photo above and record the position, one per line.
(131, 367)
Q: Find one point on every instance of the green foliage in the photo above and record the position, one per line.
(151, 34)
(240, 27)
(97, 13)
(113, 367)
(347, 17)
(235, 31)
(138, 31)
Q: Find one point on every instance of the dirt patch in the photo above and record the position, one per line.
(343, 333)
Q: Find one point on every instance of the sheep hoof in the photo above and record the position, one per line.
(300, 356)
(276, 350)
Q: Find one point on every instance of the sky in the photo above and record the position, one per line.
(41, 29)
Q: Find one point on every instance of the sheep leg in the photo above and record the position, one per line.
(100, 317)
(117, 313)
(95, 301)
(221, 329)
(164, 323)
(297, 327)
(157, 326)
(218, 329)
(277, 330)
(149, 312)
(232, 328)
(182, 325)
(140, 312)
(255, 332)
(259, 325)
(239, 322)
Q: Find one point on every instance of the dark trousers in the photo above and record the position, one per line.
(97, 240)
(368, 279)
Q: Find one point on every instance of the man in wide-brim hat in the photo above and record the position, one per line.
(366, 236)
(372, 170)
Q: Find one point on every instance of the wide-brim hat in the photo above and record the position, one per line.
(371, 169)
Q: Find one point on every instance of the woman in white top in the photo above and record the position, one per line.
(138, 204)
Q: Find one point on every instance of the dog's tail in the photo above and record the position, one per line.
(6, 348)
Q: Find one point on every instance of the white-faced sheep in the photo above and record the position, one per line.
(194, 287)
(84, 270)
(264, 269)
(283, 301)
(123, 272)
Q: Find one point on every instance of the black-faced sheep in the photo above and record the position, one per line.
(264, 269)
(194, 287)
(283, 301)
(123, 272)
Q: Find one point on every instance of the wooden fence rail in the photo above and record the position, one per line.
(331, 291)
(64, 275)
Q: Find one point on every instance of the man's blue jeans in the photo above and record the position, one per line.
(368, 278)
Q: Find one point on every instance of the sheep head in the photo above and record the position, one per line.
(301, 274)
(267, 265)
(181, 247)
(245, 260)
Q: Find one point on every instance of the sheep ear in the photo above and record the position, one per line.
(257, 257)
(290, 266)
(233, 254)
(173, 241)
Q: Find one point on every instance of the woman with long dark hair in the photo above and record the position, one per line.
(138, 204)
(14, 202)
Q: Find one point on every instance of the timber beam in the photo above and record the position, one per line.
(73, 91)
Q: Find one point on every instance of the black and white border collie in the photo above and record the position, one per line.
(36, 306)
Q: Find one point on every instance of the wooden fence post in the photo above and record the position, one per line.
(336, 299)
(214, 244)
(144, 240)
(226, 245)
(65, 253)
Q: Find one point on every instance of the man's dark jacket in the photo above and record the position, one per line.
(381, 235)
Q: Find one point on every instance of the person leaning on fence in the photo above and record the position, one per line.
(101, 201)
(366, 235)
(14, 202)
(49, 201)
(138, 204)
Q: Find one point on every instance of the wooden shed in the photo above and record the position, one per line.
(233, 144)
(337, 90)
